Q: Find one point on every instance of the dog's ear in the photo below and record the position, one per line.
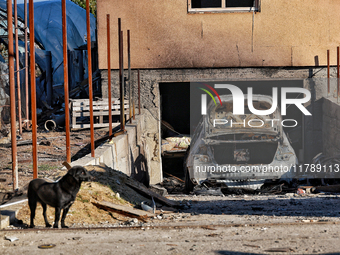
(77, 171)
(73, 171)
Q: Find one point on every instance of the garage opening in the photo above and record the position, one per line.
(175, 126)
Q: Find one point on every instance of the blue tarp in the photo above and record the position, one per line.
(48, 30)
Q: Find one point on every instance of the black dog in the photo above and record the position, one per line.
(59, 195)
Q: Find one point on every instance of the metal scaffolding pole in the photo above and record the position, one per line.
(12, 94)
(121, 75)
(109, 72)
(338, 73)
(138, 92)
(89, 63)
(33, 92)
(17, 64)
(328, 75)
(129, 76)
(26, 65)
(66, 89)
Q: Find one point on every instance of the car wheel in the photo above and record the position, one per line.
(188, 186)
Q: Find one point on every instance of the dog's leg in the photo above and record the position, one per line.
(48, 225)
(65, 211)
(33, 205)
(57, 217)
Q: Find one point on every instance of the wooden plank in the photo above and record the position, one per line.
(97, 108)
(124, 210)
(74, 120)
(95, 104)
(81, 108)
(85, 114)
(96, 125)
(178, 179)
(87, 102)
(19, 143)
(148, 193)
(101, 116)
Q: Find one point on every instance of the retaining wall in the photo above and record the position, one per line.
(128, 153)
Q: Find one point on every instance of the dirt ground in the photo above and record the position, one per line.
(223, 224)
(235, 224)
(51, 155)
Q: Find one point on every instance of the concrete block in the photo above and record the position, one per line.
(332, 109)
(121, 152)
(131, 134)
(4, 221)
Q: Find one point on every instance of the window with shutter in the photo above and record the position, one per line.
(211, 6)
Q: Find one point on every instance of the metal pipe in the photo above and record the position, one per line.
(66, 87)
(26, 64)
(58, 120)
(138, 92)
(17, 64)
(109, 72)
(133, 99)
(89, 68)
(122, 84)
(121, 75)
(129, 76)
(12, 94)
(338, 74)
(14, 203)
(33, 92)
(133, 104)
(328, 75)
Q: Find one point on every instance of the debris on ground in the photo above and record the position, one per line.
(110, 189)
(329, 188)
(140, 188)
(124, 210)
(11, 238)
(280, 250)
(146, 207)
(172, 185)
(159, 190)
(300, 192)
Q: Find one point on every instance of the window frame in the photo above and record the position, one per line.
(224, 9)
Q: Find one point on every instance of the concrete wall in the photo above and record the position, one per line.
(130, 153)
(331, 127)
(165, 35)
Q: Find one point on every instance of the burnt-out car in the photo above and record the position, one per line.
(239, 150)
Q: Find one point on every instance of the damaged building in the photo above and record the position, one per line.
(176, 42)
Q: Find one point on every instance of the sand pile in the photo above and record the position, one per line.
(109, 185)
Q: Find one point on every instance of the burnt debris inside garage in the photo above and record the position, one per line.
(175, 125)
